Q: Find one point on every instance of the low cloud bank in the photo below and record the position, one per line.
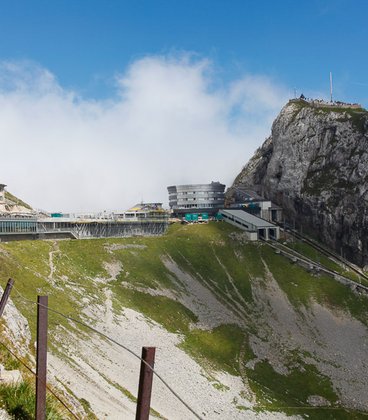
(168, 124)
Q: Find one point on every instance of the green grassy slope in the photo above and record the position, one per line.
(16, 200)
(235, 271)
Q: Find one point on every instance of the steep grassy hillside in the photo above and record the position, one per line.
(239, 330)
(17, 201)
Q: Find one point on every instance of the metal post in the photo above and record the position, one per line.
(41, 358)
(331, 86)
(5, 296)
(145, 383)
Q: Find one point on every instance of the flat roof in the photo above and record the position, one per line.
(247, 217)
(190, 186)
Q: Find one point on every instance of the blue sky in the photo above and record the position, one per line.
(119, 99)
(84, 43)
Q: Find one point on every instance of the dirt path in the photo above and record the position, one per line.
(54, 250)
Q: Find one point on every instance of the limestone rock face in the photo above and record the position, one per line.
(10, 204)
(315, 165)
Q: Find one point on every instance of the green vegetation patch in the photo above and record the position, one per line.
(310, 252)
(357, 116)
(209, 253)
(7, 360)
(16, 200)
(172, 315)
(218, 348)
(143, 266)
(212, 254)
(129, 395)
(289, 390)
(327, 413)
(85, 257)
(19, 401)
(27, 263)
(302, 287)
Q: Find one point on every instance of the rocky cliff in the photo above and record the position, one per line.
(10, 204)
(315, 165)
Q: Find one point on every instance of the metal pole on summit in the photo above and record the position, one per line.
(5, 296)
(331, 99)
(145, 383)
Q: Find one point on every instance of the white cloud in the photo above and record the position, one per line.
(169, 125)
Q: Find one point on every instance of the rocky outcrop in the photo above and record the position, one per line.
(10, 204)
(315, 165)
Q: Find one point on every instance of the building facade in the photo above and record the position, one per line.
(253, 203)
(196, 198)
(255, 227)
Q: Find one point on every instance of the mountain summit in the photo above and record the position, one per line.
(315, 165)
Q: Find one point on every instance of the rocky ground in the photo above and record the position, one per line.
(315, 166)
(281, 341)
(332, 340)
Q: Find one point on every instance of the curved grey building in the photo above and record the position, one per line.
(196, 198)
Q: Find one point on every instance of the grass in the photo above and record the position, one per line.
(357, 116)
(206, 250)
(292, 389)
(219, 348)
(19, 401)
(86, 405)
(212, 256)
(289, 393)
(16, 200)
(28, 265)
(302, 288)
(310, 252)
(130, 396)
(7, 360)
(172, 315)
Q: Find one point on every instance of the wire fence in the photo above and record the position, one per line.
(112, 340)
(50, 390)
(164, 382)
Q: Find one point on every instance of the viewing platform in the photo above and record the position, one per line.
(320, 103)
(139, 221)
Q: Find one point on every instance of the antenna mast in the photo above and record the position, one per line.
(331, 86)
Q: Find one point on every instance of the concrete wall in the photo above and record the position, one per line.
(251, 236)
(256, 232)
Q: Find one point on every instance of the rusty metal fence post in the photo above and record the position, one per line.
(5, 296)
(41, 358)
(145, 383)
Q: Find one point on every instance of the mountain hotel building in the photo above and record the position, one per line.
(196, 198)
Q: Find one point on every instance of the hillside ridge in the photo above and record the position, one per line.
(241, 332)
(315, 166)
